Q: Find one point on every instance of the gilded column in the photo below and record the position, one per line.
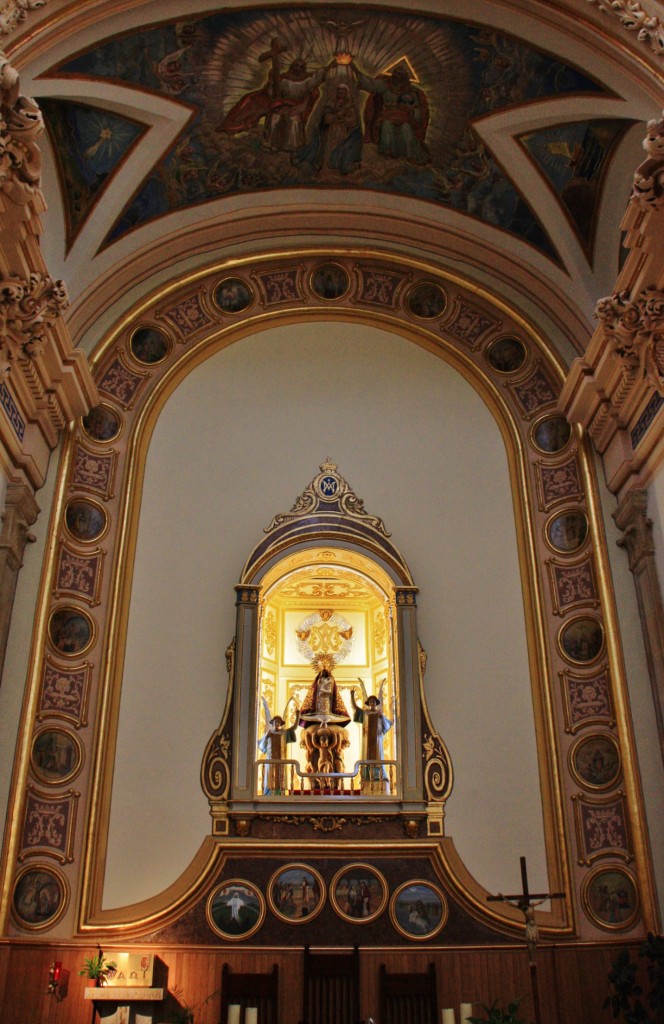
(21, 511)
(637, 540)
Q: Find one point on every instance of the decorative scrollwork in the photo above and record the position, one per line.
(437, 774)
(634, 18)
(215, 772)
(328, 492)
(635, 330)
(13, 12)
(326, 822)
(27, 310)
(21, 124)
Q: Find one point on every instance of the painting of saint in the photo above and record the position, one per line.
(38, 897)
(85, 520)
(358, 893)
(418, 910)
(70, 631)
(101, 423)
(611, 898)
(235, 910)
(582, 639)
(552, 434)
(296, 893)
(149, 345)
(568, 531)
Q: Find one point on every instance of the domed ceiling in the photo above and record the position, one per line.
(526, 129)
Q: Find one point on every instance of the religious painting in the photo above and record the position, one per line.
(98, 142)
(330, 281)
(582, 639)
(70, 631)
(296, 893)
(235, 910)
(426, 300)
(148, 345)
(610, 898)
(551, 434)
(40, 897)
(567, 531)
(385, 101)
(102, 423)
(85, 520)
(358, 893)
(575, 157)
(595, 761)
(57, 755)
(418, 910)
(506, 355)
(233, 295)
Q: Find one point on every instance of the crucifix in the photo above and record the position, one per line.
(526, 902)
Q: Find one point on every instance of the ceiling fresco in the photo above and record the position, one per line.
(328, 97)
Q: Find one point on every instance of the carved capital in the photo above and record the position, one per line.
(12, 12)
(635, 330)
(27, 310)
(21, 511)
(631, 517)
(21, 124)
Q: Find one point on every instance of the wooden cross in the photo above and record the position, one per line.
(526, 901)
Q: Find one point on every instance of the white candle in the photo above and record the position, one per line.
(234, 1013)
(251, 1015)
(466, 1012)
(448, 1016)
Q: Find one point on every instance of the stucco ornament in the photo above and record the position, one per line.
(648, 189)
(15, 11)
(635, 330)
(21, 124)
(27, 309)
(634, 18)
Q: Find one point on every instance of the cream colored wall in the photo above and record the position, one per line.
(236, 443)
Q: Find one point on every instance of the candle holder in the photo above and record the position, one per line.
(54, 976)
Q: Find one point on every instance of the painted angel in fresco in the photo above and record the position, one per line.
(273, 745)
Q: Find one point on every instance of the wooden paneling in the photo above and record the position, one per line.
(573, 980)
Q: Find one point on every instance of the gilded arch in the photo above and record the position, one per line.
(552, 478)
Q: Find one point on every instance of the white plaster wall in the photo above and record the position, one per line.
(236, 443)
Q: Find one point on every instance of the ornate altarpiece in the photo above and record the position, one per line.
(328, 527)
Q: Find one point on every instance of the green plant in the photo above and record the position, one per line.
(97, 967)
(626, 990)
(496, 1015)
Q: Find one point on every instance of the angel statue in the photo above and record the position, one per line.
(272, 745)
(375, 724)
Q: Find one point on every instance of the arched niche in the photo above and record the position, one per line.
(330, 567)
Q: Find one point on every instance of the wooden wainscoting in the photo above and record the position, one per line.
(573, 979)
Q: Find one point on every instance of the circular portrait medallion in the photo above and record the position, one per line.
(567, 531)
(40, 897)
(296, 893)
(57, 755)
(235, 910)
(233, 295)
(85, 520)
(418, 910)
(70, 631)
(506, 355)
(426, 300)
(358, 893)
(610, 898)
(149, 345)
(595, 761)
(330, 281)
(582, 639)
(102, 423)
(551, 434)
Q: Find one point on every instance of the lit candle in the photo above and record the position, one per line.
(234, 1013)
(448, 1016)
(466, 1012)
(251, 1015)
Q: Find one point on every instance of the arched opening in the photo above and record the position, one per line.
(327, 610)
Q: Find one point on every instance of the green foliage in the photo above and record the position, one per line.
(496, 1015)
(626, 994)
(97, 966)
